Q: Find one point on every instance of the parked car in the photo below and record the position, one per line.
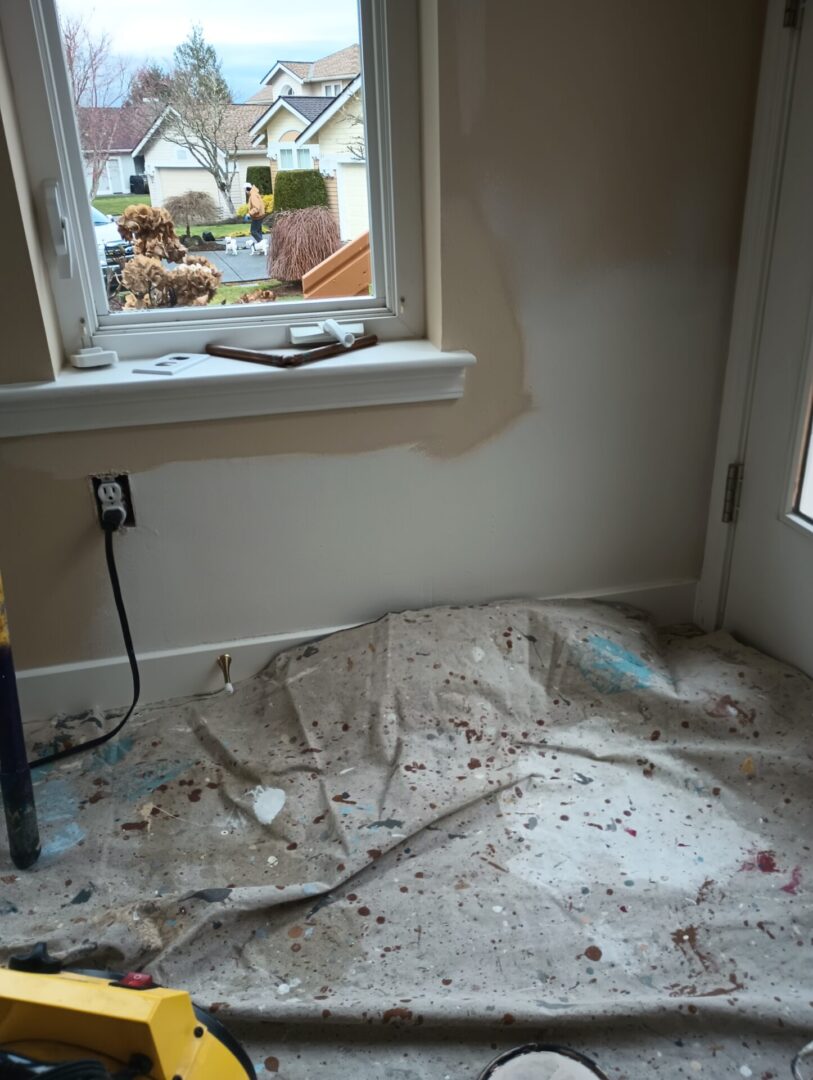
(113, 251)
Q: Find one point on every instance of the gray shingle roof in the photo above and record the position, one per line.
(309, 107)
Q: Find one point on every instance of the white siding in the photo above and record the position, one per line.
(353, 209)
(169, 182)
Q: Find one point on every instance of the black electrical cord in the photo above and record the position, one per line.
(91, 744)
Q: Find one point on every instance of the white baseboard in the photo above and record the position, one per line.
(192, 669)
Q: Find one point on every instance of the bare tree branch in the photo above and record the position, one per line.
(99, 80)
(200, 115)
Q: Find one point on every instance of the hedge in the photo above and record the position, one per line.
(297, 189)
(260, 176)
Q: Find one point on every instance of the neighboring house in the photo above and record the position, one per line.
(173, 169)
(326, 77)
(109, 138)
(325, 133)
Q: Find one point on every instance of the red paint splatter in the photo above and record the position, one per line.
(593, 952)
(632, 832)
(795, 881)
(475, 763)
(764, 861)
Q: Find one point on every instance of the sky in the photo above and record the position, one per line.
(248, 36)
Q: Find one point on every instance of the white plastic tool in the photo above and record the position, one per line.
(171, 364)
(94, 357)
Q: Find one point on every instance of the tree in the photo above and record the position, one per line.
(98, 83)
(148, 85)
(198, 111)
(193, 208)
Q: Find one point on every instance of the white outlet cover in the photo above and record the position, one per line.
(171, 364)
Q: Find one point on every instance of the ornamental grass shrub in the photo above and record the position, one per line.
(300, 240)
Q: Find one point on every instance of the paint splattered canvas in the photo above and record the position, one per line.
(411, 844)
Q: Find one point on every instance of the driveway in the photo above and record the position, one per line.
(240, 267)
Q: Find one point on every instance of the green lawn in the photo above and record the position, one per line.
(220, 230)
(230, 293)
(113, 205)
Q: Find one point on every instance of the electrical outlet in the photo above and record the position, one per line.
(113, 489)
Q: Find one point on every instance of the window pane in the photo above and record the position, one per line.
(184, 114)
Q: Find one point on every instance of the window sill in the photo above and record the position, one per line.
(392, 373)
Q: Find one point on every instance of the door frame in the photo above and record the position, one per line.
(774, 96)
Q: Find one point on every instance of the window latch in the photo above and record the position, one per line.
(327, 330)
(57, 222)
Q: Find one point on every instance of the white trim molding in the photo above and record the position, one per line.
(391, 373)
(756, 249)
(71, 689)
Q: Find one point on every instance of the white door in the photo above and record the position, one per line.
(770, 591)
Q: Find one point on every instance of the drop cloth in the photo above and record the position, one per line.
(402, 848)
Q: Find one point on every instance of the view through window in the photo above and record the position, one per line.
(224, 150)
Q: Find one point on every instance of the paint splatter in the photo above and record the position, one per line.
(611, 669)
(268, 802)
(795, 881)
(764, 861)
(593, 952)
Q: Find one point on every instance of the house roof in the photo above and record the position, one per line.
(123, 128)
(334, 105)
(308, 108)
(237, 126)
(342, 64)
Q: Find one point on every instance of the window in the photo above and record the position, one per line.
(287, 90)
(90, 314)
(291, 157)
(333, 89)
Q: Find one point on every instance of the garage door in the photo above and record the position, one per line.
(351, 181)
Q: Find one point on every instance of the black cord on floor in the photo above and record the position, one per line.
(91, 744)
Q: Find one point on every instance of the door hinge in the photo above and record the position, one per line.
(733, 488)
(793, 14)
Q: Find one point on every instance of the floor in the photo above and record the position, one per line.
(409, 845)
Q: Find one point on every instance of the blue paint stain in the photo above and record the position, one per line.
(113, 752)
(58, 810)
(312, 888)
(63, 840)
(611, 668)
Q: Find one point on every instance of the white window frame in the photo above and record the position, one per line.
(396, 311)
(276, 150)
(332, 89)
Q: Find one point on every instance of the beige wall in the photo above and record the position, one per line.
(590, 267)
(279, 125)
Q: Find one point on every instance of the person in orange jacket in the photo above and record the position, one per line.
(256, 211)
